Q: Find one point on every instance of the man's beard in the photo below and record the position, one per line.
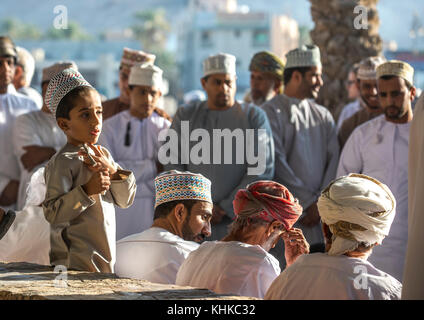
(365, 103)
(261, 98)
(396, 116)
(189, 235)
(222, 100)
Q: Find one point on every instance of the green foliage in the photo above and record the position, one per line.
(18, 30)
(151, 29)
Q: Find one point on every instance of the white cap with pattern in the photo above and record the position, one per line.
(220, 63)
(60, 85)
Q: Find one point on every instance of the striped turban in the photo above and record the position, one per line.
(269, 201)
(268, 62)
(357, 209)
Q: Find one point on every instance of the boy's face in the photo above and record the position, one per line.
(143, 100)
(85, 124)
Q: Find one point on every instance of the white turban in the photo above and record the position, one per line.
(357, 208)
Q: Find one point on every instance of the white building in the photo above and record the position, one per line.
(210, 27)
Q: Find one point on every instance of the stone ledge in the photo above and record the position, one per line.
(27, 281)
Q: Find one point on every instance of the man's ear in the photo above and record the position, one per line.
(203, 82)
(274, 226)
(180, 212)
(127, 90)
(63, 124)
(413, 93)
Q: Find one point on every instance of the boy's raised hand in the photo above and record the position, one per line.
(98, 183)
(101, 161)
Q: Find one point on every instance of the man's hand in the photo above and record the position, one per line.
(98, 183)
(312, 217)
(10, 193)
(295, 245)
(36, 155)
(217, 214)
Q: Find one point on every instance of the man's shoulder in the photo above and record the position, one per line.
(157, 235)
(369, 127)
(186, 111)
(110, 102)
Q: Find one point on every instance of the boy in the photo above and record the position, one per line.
(80, 198)
(132, 139)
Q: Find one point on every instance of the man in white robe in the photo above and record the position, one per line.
(11, 106)
(183, 209)
(24, 72)
(131, 136)
(356, 213)
(36, 136)
(305, 139)
(240, 263)
(230, 164)
(413, 277)
(379, 148)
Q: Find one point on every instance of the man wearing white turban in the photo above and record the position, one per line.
(356, 213)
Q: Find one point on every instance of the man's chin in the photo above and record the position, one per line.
(199, 238)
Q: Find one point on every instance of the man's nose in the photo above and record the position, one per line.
(207, 230)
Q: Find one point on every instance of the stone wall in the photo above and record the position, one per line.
(26, 281)
(341, 44)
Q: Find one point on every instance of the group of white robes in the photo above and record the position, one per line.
(34, 128)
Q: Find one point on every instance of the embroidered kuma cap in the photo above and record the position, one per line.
(181, 185)
(60, 85)
(52, 70)
(305, 56)
(220, 63)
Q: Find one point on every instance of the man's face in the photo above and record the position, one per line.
(395, 98)
(352, 89)
(369, 94)
(143, 100)
(197, 224)
(7, 70)
(311, 83)
(221, 90)
(85, 124)
(261, 87)
(123, 83)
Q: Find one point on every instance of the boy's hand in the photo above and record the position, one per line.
(101, 161)
(98, 183)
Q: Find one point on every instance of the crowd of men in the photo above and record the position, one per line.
(335, 194)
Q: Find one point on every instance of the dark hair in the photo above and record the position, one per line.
(287, 75)
(408, 85)
(67, 103)
(164, 209)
